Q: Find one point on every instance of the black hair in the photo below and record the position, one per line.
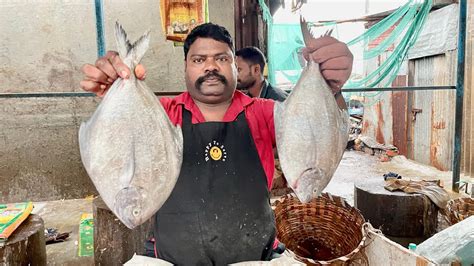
(253, 55)
(208, 30)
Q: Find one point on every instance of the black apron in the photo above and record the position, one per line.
(219, 211)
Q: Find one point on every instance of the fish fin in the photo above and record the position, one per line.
(179, 139)
(123, 44)
(328, 33)
(131, 53)
(84, 145)
(278, 110)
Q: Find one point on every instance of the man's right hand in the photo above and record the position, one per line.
(99, 77)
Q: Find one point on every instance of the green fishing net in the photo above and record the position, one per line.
(403, 27)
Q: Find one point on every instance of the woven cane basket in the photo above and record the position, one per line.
(326, 230)
(459, 209)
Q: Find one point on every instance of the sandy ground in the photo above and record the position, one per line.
(355, 166)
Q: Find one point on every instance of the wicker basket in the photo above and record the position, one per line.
(459, 209)
(326, 230)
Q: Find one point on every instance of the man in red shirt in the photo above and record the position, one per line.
(219, 211)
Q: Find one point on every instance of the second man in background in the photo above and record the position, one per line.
(250, 65)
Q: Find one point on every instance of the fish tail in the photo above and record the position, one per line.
(123, 44)
(305, 31)
(131, 54)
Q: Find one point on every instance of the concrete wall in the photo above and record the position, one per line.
(43, 44)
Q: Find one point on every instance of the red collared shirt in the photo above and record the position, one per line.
(259, 114)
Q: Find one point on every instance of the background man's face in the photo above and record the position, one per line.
(246, 74)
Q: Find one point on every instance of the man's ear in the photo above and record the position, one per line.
(256, 69)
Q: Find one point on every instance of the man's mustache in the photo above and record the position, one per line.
(210, 75)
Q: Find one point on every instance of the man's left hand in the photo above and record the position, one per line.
(334, 58)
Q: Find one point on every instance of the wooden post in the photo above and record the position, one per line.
(114, 243)
(26, 246)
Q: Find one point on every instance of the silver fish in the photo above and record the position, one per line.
(129, 147)
(311, 132)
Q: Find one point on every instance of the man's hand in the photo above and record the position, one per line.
(99, 77)
(334, 58)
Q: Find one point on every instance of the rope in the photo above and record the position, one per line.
(390, 67)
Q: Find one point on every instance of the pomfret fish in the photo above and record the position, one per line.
(129, 147)
(311, 132)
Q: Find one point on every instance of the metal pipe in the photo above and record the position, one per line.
(409, 88)
(45, 94)
(388, 89)
(70, 94)
(174, 93)
(99, 23)
(459, 95)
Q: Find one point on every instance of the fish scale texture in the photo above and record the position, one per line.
(311, 134)
(131, 151)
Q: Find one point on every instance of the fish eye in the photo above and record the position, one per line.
(136, 212)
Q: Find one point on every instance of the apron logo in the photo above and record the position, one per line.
(215, 151)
